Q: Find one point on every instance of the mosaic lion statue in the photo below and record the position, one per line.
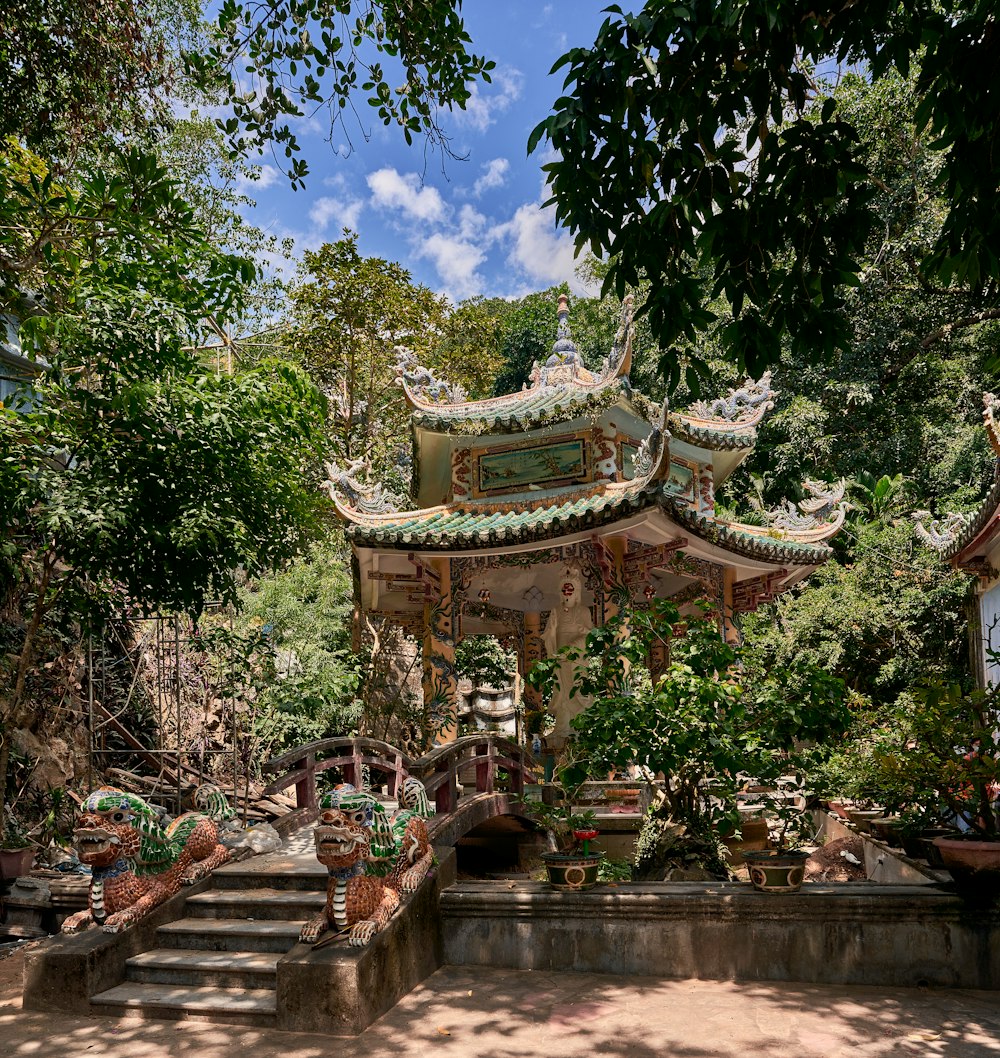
(371, 857)
(136, 862)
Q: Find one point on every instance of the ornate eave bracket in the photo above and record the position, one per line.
(652, 458)
(421, 387)
(618, 363)
(353, 497)
(939, 533)
(741, 408)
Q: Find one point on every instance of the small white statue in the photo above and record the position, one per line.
(567, 626)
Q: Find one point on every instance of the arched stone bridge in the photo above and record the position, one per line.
(491, 770)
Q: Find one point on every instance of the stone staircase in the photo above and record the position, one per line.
(219, 961)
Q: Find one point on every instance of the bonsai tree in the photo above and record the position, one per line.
(563, 819)
(947, 744)
(701, 723)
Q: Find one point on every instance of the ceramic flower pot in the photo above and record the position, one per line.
(862, 817)
(777, 870)
(886, 828)
(928, 850)
(14, 863)
(572, 872)
(975, 865)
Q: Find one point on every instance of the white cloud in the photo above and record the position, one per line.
(394, 190)
(342, 212)
(541, 250)
(259, 178)
(494, 176)
(471, 223)
(480, 111)
(456, 261)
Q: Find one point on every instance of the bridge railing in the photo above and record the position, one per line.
(444, 767)
(441, 770)
(300, 766)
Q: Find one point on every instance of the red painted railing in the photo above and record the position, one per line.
(441, 770)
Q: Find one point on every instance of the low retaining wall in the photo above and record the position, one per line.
(857, 933)
(340, 990)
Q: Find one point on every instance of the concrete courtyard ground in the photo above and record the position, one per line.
(470, 1012)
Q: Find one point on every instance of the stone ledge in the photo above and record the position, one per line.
(340, 990)
(859, 933)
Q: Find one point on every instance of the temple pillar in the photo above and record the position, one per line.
(616, 590)
(729, 627)
(532, 652)
(440, 683)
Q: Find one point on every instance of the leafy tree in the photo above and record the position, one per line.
(348, 312)
(701, 721)
(696, 146)
(132, 468)
(883, 617)
(308, 676)
(72, 71)
(470, 351)
(485, 661)
(194, 153)
(529, 331)
(285, 58)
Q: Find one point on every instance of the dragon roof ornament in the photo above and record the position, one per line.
(991, 404)
(743, 407)
(421, 385)
(816, 518)
(939, 533)
(352, 496)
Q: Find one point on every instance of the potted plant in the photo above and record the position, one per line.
(782, 867)
(573, 865)
(16, 852)
(708, 717)
(950, 747)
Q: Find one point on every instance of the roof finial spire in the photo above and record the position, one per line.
(564, 351)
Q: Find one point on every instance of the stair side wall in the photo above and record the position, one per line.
(341, 990)
(65, 971)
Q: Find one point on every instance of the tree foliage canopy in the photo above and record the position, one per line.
(285, 58)
(697, 148)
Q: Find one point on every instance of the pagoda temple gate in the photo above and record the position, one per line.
(538, 515)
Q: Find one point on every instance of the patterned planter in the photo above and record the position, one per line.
(571, 872)
(775, 870)
(16, 862)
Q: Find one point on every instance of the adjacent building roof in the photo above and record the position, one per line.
(964, 539)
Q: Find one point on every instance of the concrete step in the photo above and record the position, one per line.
(256, 904)
(310, 877)
(242, 1006)
(229, 934)
(218, 969)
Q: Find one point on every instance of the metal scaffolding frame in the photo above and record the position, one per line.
(168, 638)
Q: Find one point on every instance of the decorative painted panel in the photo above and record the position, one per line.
(682, 479)
(562, 461)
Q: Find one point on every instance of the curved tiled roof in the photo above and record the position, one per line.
(976, 524)
(466, 526)
(526, 410)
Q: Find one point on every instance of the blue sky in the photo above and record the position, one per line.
(477, 227)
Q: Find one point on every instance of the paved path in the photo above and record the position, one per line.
(464, 1012)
